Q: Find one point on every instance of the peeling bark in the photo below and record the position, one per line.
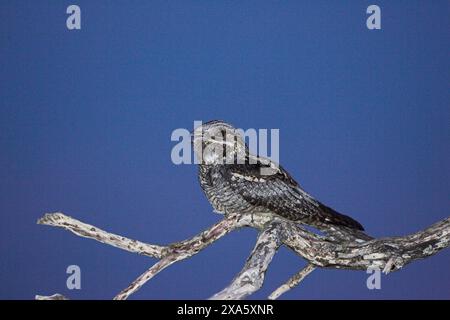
(340, 248)
(251, 277)
(292, 282)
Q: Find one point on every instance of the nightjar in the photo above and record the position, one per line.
(236, 181)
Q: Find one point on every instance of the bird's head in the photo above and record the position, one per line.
(218, 142)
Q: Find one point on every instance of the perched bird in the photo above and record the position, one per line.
(236, 181)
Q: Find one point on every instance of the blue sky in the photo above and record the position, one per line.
(86, 118)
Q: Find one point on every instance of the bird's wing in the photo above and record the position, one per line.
(264, 185)
(273, 189)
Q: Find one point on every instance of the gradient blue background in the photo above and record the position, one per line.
(86, 118)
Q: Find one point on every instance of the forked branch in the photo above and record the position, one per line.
(340, 248)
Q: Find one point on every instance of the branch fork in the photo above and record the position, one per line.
(340, 248)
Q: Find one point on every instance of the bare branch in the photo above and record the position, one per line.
(185, 249)
(87, 231)
(56, 296)
(341, 248)
(251, 277)
(360, 255)
(146, 276)
(168, 254)
(292, 282)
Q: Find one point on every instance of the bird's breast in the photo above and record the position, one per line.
(219, 192)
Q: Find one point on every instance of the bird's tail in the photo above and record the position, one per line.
(333, 217)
